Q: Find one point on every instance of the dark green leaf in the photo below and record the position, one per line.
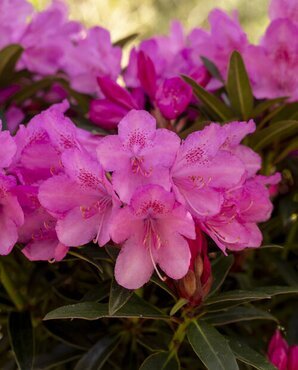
(276, 132)
(156, 280)
(287, 112)
(220, 270)
(219, 110)
(57, 356)
(237, 314)
(291, 146)
(249, 356)
(83, 256)
(212, 69)
(8, 59)
(237, 295)
(265, 105)
(125, 40)
(22, 339)
(278, 290)
(160, 361)
(118, 297)
(135, 307)
(238, 87)
(97, 355)
(211, 347)
(32, 89)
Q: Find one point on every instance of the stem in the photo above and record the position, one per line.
(179, 336)
(11, 290)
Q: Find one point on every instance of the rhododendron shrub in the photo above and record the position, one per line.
(157, 199)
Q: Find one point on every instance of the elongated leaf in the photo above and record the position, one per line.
(22, 339)
(83, 256)
(291, 146)
(249, 356)
(118, 297)
(8, 59)
(211, 347)
(98, 354)
(179, 304)
(219, 110)
(220, 270)
(265, 105)
(160, 361)
(156, 280)
(32, 89)
(125, 40)
(278, 290)
(237, 314)
(57, 356)
(237, 295)
(238, 87)
(135, 307)
(275, 132)
(287, 112)
(212, 69)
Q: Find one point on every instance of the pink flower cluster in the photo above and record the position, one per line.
(143, 188)
(52, 43)
(152, 77)
(281, 355)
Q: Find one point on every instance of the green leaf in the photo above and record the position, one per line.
(156, 280)
(220, 270)
(136, 307)
(291, 146)
(237, 295)
(212, 69)
(179, 304)
(211, 347)
(278, 290)
(249, 356)
(287, 112)
(125, 40)
(161, 361)
(237, 314)
(98, 354)
(8, 60)
(265, 105)
(276, 132)
(83, 256)
(22, 339)
(218, 109)
(118, 297)
(238, 87)
(55, 357)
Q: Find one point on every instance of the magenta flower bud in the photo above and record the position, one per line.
(173, 96)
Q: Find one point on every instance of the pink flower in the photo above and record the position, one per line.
(108, 112)
(11, 214)
(49, 132)
(202, 170)
(38, 231)
(47, 38)
(235, 226)
(284, 9)
(140, 154)
(273, 63)
(225, 36)
(280, 354)
(13, 17)
(91, 57)
(82, 199)
(7, 148)
(152, 227)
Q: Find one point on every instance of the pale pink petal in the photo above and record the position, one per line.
(111, 154)
(74, 230)
(133, 266)
(45, 250)
(173, 256)
(124, 224)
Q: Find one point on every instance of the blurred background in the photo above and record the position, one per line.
(148, 17)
